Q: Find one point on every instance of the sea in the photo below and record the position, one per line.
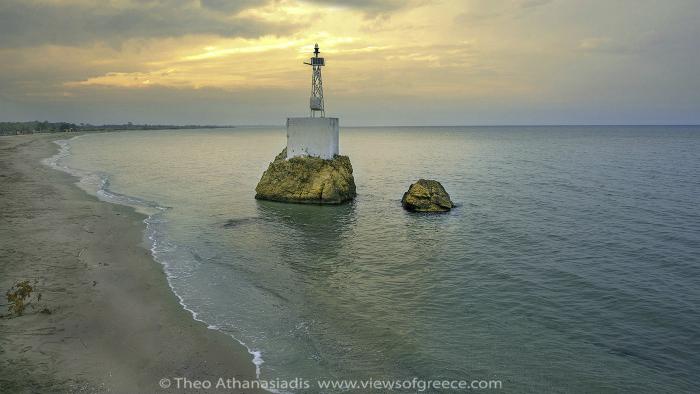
(571, 262)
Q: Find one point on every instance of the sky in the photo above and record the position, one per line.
(388, 62)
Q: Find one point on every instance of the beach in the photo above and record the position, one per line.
(115, 325)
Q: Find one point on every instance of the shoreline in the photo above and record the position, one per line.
(150, 209)
(115, 325)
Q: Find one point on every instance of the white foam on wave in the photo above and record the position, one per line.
(56, 161)
(98, 184)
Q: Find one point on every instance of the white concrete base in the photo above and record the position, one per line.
(312, 137)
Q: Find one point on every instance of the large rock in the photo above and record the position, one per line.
(427, 196)
(307, 180)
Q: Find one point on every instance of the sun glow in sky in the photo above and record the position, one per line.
(388, 62)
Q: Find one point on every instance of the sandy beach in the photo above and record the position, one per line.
(115, 325)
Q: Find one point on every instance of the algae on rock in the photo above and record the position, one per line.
(307, 180)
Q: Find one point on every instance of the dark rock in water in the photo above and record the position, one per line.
(427, 196)
(231, 223)
(307, 180)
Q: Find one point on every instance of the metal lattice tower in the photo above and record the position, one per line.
(316, 101)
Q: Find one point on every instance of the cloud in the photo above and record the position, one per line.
(482, 10)
(33, 23)
(533, 3)
(602, 44)
(229, 6)
(151, 60)
(371, 8)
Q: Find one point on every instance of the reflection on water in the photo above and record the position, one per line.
(316, 220)
(317, 231)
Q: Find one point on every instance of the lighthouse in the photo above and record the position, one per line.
(312, 172)
(316, 101)
(316, 135)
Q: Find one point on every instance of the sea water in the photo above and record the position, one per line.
(571, 263)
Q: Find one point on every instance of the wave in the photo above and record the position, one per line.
(98, 184)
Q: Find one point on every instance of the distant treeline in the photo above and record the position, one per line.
(11, 128)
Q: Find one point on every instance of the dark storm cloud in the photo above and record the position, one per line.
(27, 23)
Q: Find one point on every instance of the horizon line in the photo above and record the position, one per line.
(221, 125)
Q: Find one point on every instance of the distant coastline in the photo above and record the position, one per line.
(34, 127)
(37, 127)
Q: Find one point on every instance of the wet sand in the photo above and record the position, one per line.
(115, 324)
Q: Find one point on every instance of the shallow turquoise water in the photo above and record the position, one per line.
(570, 265)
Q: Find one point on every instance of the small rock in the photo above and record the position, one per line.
(427, 196)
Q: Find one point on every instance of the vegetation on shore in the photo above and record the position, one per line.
(13, 128)
(20, 296)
